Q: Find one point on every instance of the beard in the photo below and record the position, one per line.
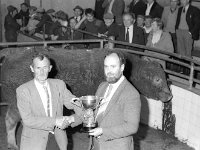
(112, 78)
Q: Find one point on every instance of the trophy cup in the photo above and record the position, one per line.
(88, 104)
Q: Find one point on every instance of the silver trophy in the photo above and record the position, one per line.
(88, 104)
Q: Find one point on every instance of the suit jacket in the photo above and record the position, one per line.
(138, 9)
(192, 19)
(138, 36)
(156, 10)
(117, 9)
(36, 125)
(121, 118)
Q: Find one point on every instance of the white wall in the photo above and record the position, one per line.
(185, 107)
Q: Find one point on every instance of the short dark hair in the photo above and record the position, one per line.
(89, 11)
(120, 55)
(25, 4)
(40, 56)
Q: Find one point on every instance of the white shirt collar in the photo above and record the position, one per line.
(130, 30)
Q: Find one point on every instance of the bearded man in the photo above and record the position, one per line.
(119, 113)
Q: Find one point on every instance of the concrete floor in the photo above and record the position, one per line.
(146, 139)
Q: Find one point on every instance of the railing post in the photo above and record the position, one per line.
(191, 75)
(43, 32)
(72, 37)
(101, 44)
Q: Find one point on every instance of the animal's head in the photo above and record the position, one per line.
(150, 79)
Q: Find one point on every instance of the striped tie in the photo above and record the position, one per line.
(48, 100)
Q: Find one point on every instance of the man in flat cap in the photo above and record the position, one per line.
(78, 12)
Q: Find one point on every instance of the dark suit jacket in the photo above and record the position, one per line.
(138, 9)
(192, 19)
(36, 125)
(120, 119)
(156, 10)
(11, 27)
(138, 36)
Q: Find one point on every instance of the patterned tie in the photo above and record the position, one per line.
(48, 100)
(127, 35)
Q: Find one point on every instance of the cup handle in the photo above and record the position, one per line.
(74, 101)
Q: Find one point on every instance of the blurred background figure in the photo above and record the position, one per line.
(147, 27)
(169, 17)
(78, 12)
(140, 21)
(51, 13)
(99, 9)
(23, 14)
(10, 24)
(153, 9)
(137, 7)
(115, 7)
(160, 40)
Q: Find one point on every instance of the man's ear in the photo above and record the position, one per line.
(31, 68)
(122, 67)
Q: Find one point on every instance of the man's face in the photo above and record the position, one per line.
(90, 17)
(108, 22)
(154, 26)
(147, 22)
(140, 22)
(77, 12)
(173, 4)
(113, 70)
(41, 69)
(24, 8)
(185, 2)
(14, 13)
(128, 20)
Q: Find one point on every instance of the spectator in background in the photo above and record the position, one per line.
(169, 17)
(147, 27)
(153, 9)
(33, 20)
(51, 13)
(115, 7)
(44, 24)
(187, 27)
(140, 21)
(90, 24)
(99, 9)
(10, 24)
(109, 28)
(160, 40)
(78, 12)
(23, 14)
(138, 7)
(130, 32)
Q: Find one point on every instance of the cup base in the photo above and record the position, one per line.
(86, 129)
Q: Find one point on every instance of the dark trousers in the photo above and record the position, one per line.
(52, 144)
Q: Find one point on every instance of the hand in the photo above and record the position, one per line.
(63, 122)
(97, 132)
(69, 119)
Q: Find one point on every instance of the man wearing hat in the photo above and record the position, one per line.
(110, 27)
(78, 12)
(10, 24)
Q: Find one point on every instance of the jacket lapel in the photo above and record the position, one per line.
(37, 99)
(114, 99)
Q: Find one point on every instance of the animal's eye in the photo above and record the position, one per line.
(157, 80)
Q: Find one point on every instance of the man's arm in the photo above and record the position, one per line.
(67, 97)
(24, 106)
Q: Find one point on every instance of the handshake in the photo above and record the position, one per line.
(64, 121)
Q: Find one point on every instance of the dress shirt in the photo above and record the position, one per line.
(104, 103)
(148, 9)
(78, 18)
(186, 8)
(147, 30)
(43, 95)
(130, 30)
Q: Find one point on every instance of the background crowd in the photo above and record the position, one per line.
(172, 28)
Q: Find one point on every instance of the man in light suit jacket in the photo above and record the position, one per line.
(40, 103)
(119, 112)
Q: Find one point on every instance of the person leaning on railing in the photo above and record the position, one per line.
(160, 40)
